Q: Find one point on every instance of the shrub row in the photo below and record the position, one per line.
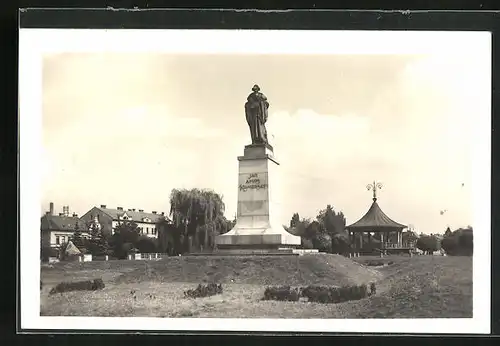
(283, 293)
(88, 285)
(326, 294)
(377, 263)
(204, 291)
(319, 294)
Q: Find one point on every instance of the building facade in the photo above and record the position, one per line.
(109, 219)
(58, 229)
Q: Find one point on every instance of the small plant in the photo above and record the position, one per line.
(204, 291)
(282, 293)
(87, 285)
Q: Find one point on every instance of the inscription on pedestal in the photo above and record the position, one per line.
(252, 181)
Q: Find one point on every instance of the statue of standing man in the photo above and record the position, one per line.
(256, 114)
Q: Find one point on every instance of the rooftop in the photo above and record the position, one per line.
(375, 218)
(134, 215)
(61, 223)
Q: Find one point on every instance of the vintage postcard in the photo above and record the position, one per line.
(252, 180)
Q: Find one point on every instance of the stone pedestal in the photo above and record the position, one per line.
(258, 220)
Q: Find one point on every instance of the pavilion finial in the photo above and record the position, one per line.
(375, 187)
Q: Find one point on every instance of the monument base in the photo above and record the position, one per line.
(258, 220)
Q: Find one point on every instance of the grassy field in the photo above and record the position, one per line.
(421, 286)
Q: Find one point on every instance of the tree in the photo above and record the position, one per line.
(147, 245)
(459, 243)
(428, 244)
(340, 243)
(313, 230)
(322, 242)
(124, 239)
(295, 220)
(409, 238)
(332, 222)
(168, 237)
(97, 245)
(448, 232)
(198, 216)
(78, 240)
(334, 225)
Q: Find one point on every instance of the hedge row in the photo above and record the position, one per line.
(87, 285)
(283, 293)
(378, 263)
(319, 294)
(204, 291)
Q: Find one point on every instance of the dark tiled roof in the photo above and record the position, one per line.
(136, 216)
(375, 218)
(61, 223)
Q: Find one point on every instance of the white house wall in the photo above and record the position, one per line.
(146, 228)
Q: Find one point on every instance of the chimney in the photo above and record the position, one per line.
(141, 210)
(47, 213)
(154, 212)
(75, 215)
(133, 209)
(66, 210)
(119, 208)
(163, 213)
(61, 214)
(130, 210)
(103, 206)
(51, 210)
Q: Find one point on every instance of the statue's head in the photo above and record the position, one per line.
(256, 88)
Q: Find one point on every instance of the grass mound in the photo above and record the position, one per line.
(423, 287)
(417, 287)
(260, 270)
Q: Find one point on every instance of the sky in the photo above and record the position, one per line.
(124, 129)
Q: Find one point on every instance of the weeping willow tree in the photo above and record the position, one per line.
(197, 217)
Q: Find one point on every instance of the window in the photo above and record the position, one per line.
(147, 230)
(57, 240)
(153, 230)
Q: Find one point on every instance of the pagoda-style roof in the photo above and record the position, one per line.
(375, 219)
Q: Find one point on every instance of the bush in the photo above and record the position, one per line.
(326, 294)
(204, 291)
(306, 243)
(459, 242)
(378, 263)
(88, 285)
(281, 293)
(147, 245)
(428, 244)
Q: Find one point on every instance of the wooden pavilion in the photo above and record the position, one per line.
(375, 221)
